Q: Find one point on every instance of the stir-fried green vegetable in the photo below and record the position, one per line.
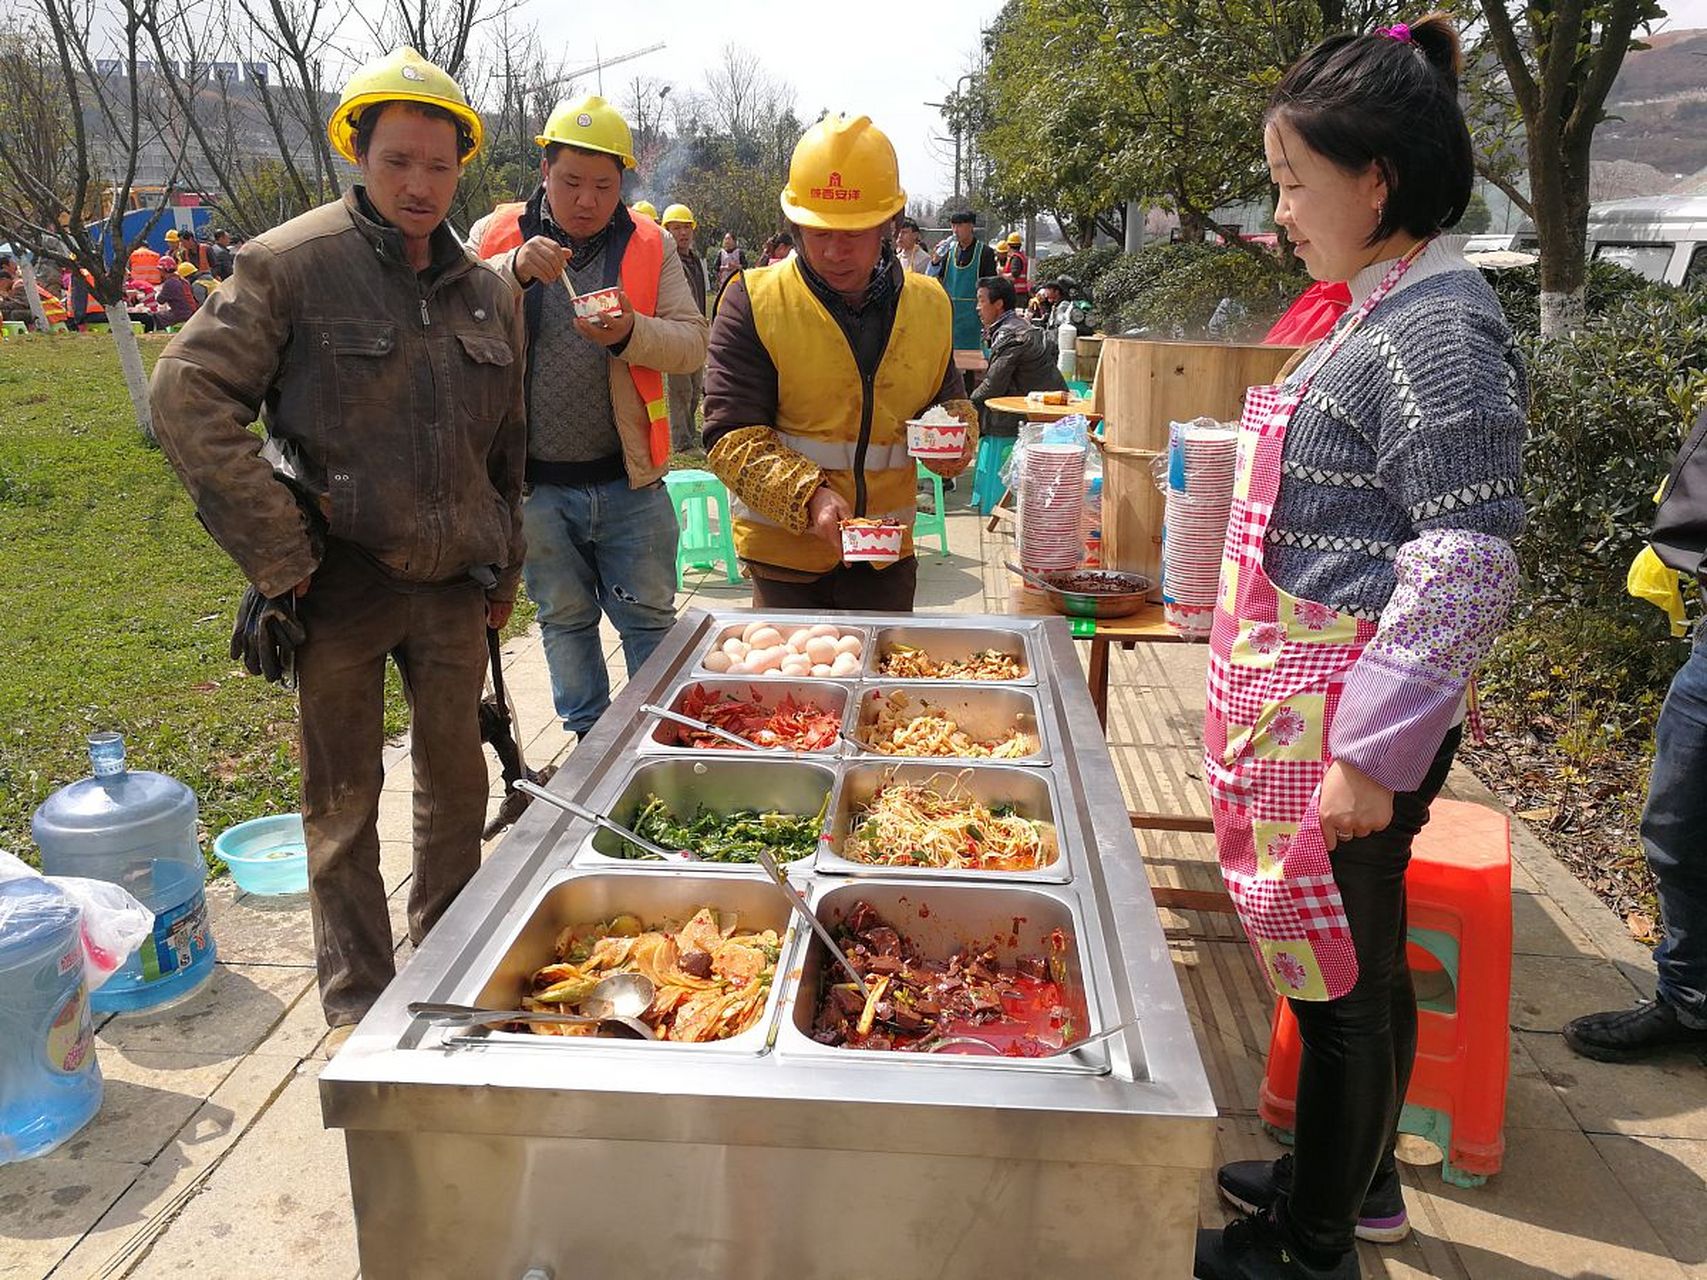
(727, 837)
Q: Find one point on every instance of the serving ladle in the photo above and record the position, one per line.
(1099, 1037)
(617, 999)
(651, 848)
(777, 876)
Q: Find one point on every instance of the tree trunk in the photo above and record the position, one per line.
(1558, 182)
(27, 273)
(1191, 227)
(130, 360)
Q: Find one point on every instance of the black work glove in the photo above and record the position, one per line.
(267, 636)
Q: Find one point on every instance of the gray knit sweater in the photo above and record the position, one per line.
(1416, 423)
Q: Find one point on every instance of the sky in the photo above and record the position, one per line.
(864, 61)
(885, 61)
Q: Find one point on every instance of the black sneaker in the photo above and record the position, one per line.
(1629, 1035)
(1255, 1248)
(1253, 1186)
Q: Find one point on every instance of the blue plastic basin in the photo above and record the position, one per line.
(266, 855)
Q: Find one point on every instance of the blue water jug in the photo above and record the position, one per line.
(50, 1085)
(136, 829)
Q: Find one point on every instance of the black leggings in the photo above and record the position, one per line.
(1358, 1049)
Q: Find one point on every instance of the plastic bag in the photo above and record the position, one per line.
(115, 924)
(1048, 473)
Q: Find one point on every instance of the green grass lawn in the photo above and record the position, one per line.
(115, 605)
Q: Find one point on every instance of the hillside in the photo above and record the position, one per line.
(1659, 109)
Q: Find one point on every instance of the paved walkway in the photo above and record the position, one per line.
(209, 1159)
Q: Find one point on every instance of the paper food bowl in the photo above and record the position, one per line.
(599, 302)
(931, 440)
(871, 543)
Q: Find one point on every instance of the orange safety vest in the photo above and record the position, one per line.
(52, 307)
(144, 264)
(642, 261)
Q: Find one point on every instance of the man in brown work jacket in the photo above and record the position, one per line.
(383, 360)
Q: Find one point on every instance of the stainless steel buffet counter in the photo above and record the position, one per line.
(769, 1153)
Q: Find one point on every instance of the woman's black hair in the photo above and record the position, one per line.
(1388, 98)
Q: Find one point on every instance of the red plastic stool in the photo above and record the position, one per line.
(1459, 903)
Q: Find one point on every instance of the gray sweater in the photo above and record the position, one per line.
(1416, 423)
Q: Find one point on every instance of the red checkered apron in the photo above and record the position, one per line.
(1277, 665)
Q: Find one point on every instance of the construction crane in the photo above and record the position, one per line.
(598, 66)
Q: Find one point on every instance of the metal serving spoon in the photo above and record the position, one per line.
(617, 998)
(746, 744)
(652, 850)
(1100, 1036)
(779, 878)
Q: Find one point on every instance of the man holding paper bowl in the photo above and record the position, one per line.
(608, 313)
(818, 367)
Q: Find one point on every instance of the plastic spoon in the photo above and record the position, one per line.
(598, 819)
(746, 744)
(779, 878)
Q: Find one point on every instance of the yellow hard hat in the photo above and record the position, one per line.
(402, 76)
(843, 176)
(646, 207)
(1016, 239)
(679, 213)
(592, 124)
(172, 236)
(186, 268)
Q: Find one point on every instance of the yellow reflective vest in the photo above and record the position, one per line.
(854, 430)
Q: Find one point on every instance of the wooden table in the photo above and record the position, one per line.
(1040, 412)
(1144, 627)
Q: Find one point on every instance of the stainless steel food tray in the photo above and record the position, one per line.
(984, 711)
(722, 783)
(588, 897)
(938, 917)
(832, 695)
(1030, 791)
(949, 642)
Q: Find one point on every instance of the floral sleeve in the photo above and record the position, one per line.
(1402, 696)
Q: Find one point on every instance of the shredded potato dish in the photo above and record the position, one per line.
(900, 729)
(904, 662)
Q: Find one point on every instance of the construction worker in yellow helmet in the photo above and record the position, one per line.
(686, 389)
(816, 364)
(644, 209)
(383, 518)
(1017, 267)
(608, 314)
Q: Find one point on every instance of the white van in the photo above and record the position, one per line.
(1661, 237)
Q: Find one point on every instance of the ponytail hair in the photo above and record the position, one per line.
(1388, 98)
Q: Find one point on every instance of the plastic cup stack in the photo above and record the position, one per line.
(1201, 459)
(1052, 504)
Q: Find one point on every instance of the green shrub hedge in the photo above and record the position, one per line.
(1519, 290)
(1173, 289)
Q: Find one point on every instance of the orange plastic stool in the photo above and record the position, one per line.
(1459, 910)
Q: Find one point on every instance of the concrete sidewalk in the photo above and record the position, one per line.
(208, 1157)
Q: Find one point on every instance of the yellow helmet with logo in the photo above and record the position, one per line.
(843, 177)
(679, 213)
(1016, 239)
(592, 124)
(646, 207)
(402, 76)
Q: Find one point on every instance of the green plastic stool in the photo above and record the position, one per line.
(693, 495)
(934, 521)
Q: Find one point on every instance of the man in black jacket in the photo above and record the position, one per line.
(1021, 360)
(1674, 824)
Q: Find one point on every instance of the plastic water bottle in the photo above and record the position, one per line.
(136, 829)
(50, 1085)
(1067, 347)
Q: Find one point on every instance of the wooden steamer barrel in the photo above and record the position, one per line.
(1087, 351)
(1141, 387)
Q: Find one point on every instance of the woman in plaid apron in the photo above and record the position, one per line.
(1367, 568)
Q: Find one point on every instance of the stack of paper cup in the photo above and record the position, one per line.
(1201, 458)
(1051, 507)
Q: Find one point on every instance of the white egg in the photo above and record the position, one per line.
(821, 670)
(735, 649)
(821, 649)
(797, 640)
(848, 645)
(765, 638)
(796, 666)
(752, 629)
(767, 660)
(844, 665)
(825, 629)
(718, 662)
(739, 669)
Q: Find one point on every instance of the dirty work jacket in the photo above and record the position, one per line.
(669, 333)
(395, 397)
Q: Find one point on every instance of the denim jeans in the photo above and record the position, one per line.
(590, 548)
(1674, 833)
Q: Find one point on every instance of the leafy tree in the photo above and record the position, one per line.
(1477, 216)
